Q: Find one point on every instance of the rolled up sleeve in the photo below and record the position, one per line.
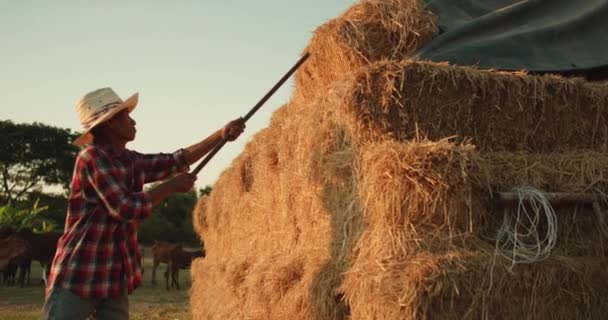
(159, 166)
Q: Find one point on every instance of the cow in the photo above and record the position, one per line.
(180, 259)
(42, 247)
(14, 254)
(8, 274)
(161, 252)
(6, 231)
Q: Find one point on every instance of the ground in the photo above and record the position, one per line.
(147, 302)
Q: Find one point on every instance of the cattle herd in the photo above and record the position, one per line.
(19, 248)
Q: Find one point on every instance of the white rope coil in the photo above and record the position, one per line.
(519, 239)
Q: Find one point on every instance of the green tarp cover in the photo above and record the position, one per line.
(535, 35)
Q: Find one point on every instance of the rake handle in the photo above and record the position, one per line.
(253, 110)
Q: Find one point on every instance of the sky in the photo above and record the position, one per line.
(196, 64)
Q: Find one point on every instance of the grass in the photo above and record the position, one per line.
(148, 302)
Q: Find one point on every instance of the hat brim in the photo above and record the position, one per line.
(86, 137)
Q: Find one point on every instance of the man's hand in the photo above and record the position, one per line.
(182, 182)
(233, 129)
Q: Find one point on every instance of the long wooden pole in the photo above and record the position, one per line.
(253, 110)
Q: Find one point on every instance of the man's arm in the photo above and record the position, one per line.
(230, 132)
(123, 204)
(196, 151)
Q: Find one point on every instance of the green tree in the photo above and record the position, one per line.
(26, 218)
(57, 205)
(171, 221)
(32, 155)
(205, 191)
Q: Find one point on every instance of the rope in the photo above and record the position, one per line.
(519, 239)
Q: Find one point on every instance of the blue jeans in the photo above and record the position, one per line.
(63, 304)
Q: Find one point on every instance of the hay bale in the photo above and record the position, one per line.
(429, 252)
(369, 31)
(468, 283)
(267, 229)
(497, 111)
(369, 194)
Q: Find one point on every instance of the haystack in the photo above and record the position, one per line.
(373, 193)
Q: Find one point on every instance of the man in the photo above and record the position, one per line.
(97, 260)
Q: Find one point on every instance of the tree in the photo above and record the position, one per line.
(205, 191)
(33, 154)
(177, 208)
(171, 221)
(57, 205)
(29, 218)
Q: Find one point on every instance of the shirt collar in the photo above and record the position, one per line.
(109, 149)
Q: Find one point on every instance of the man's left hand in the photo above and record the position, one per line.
(233, 129)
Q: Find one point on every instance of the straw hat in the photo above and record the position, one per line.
(99, 106)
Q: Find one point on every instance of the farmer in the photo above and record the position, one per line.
(97, 259)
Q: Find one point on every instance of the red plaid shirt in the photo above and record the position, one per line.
(98, 252)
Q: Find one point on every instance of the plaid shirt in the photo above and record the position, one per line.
(98, 252)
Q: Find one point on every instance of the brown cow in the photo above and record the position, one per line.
(42, 248)
(8, 274)
(6, 231)
(14, 253)
(180, 259)
(161, 252)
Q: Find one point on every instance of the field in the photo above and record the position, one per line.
(147, 302)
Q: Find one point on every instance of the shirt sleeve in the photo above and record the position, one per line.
(160, 165)
(108, 181)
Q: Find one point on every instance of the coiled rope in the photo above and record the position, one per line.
(519, 239)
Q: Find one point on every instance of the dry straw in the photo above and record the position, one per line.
(370, 195)
(268, 234)
(369, 31)
(429, 250)
(499, 111)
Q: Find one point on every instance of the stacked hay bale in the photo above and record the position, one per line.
(369, 196)
(371, 30)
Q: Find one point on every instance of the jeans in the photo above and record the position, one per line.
(63, 304)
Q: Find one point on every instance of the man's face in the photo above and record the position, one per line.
(123, 126)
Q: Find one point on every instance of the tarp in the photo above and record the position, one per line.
(535, 35)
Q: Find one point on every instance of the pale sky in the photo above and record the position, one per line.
(196, 64)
